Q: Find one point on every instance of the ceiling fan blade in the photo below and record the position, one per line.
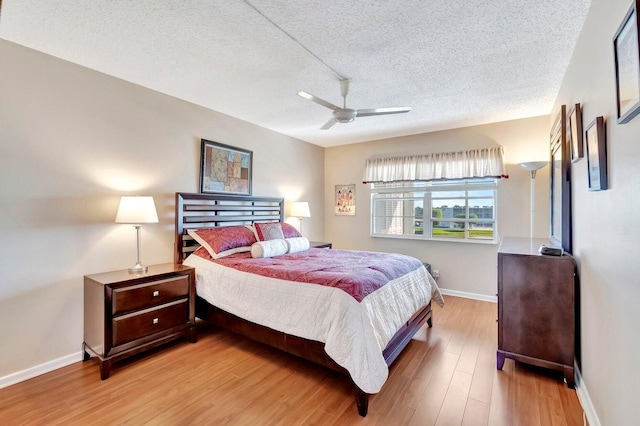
(382, 111)
(318, 100)
(329, 124)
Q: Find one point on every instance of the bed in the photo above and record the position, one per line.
(231, 298)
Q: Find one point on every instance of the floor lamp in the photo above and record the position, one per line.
(533, 167)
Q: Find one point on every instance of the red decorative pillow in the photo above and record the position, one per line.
(289, 231)
(268, 231)
(273, 231)
(224, 241)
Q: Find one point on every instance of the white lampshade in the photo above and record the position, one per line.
(533, 165)
(137, 209)
(300, 209)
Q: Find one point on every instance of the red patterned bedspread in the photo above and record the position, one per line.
(359, 273)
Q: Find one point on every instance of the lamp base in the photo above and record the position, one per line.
(138, 268)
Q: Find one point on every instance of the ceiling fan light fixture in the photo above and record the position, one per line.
(345, 115)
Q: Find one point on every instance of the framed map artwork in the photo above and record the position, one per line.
(225, 169)
(345, 200)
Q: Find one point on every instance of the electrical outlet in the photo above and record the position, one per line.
(435, 273)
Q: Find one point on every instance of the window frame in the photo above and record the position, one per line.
(428, 191)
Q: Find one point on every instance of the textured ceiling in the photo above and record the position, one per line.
(456, 62)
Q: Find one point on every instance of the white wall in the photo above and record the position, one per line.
(606, 232)
(523, 140)
(72, 141)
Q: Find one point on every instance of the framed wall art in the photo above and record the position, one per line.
(574, 133)
(596, 155)
(560, 184)
(627, 65)
(225, 169)
(345, 200)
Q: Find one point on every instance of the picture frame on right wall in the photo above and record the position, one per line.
(596, 155)
(626, 49)
(561, 233)
(574, 133)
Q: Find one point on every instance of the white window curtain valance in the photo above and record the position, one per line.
(477, 163)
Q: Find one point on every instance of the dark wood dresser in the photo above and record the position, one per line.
(536, 307)
(127, 313)
(320, 244)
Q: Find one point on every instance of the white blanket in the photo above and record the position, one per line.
(354, 333)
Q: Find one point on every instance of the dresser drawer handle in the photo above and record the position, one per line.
(156, 320)
(156, 293)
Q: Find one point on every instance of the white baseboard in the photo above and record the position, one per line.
(29, 373)
(585, 400)
(466, 295)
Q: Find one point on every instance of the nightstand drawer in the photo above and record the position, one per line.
(144, 323)
(150, 294)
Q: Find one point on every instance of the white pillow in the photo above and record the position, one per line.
(269, 248)
(297, 244)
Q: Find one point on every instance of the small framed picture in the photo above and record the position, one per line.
(345, 200)
(596, 155)
(627, 66)
(575, 133)
(225, 169)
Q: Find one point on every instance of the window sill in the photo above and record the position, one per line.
(446, 240)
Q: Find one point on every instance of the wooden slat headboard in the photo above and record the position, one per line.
(198, 211)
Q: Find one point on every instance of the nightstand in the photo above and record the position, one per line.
(319, 244)
(127, 313)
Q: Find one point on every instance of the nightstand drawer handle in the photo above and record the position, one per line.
(156, 293)
(156, 320)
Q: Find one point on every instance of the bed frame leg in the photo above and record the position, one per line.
(362, 401)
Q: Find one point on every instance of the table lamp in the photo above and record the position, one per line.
(300, 209)
(136, 210)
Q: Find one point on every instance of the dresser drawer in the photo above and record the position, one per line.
(155, 293)
(127, 328)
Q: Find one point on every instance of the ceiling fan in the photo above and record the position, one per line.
(347, 115)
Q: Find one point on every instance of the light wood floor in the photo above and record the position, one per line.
(446, 376)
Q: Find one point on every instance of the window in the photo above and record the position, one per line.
(456, 210)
